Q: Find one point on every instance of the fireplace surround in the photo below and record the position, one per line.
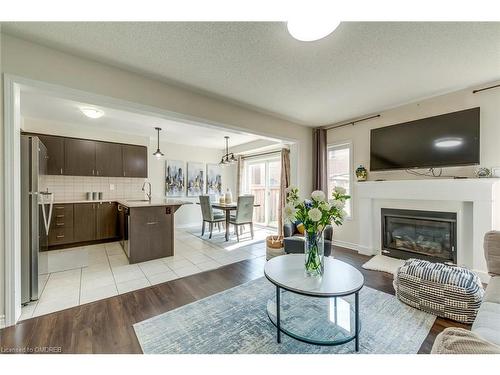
(429, 235)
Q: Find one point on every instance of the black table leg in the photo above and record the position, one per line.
(356, 320)
(278, 308)
(228, 215)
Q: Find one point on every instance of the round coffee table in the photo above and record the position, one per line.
(319, 310)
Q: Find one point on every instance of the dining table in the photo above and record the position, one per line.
(227, 208)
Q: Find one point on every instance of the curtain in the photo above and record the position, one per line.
(239, 176)
(320, 181)
(284, 184)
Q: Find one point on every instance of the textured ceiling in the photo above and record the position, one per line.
(38, 105)
(359, 69)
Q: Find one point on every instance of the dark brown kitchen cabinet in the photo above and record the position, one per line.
(85, 223)
(150, 230)
(55, 153)
(79, 157)
(61, 226)
(135, 161)
(108, 159)
(107, 220)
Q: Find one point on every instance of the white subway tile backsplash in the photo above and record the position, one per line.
(69, 188)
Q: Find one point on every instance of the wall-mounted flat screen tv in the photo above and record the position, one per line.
(439, 141)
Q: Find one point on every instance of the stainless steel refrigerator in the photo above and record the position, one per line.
(36, 212)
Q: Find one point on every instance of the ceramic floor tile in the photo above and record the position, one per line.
(42, 281)
(28, 310)
(197, 258)
(94, 294)
(97, 280)
(99, 267)
(162, 277)
(208, 265)
(130, 285)
(114, 248)
(55, 305)
(186, 271)
(179, 264)
(59, 293)
(127, 273)
(67, 259)
(117, 260)
(153, 267)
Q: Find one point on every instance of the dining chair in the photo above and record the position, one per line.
(208, 215)
(244, 214)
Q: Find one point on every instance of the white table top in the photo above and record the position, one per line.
(338, 279)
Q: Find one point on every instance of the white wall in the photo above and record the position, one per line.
(187, 215)
(359, 134)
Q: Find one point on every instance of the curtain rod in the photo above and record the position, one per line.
(261, 154)
(486, 88)
(350, 122)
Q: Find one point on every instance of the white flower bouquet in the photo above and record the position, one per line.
(315, 214)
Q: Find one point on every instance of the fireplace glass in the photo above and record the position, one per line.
(419, 234)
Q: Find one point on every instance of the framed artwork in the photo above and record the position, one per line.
(174, 178)
(195, 179)
(214, 179)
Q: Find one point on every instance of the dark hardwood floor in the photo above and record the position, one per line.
(106, 326)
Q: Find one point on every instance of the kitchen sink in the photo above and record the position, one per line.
(138, 200)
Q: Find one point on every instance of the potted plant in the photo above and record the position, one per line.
(315, 214)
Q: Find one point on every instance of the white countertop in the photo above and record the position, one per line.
(154, 202)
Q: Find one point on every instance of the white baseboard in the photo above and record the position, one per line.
(2, 321)
(347, 245)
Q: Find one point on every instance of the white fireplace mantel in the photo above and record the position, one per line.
(479, 211)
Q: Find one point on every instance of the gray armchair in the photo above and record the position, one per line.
(208, 215)
(293, 241)
(244, 214)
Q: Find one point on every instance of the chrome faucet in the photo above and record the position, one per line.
(148, 194)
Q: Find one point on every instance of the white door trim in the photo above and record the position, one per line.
(12, 125)
(12, 202)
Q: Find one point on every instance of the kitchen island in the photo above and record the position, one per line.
(147, 228)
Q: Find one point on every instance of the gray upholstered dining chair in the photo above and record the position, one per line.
(244, 214)
(208, 215)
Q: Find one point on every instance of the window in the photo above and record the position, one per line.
(339, 170)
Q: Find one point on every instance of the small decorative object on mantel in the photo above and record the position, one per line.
(482, 173)
(315, 214)
(495, 172)
(228, 197)
(361, 173)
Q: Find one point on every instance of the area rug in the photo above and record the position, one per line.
(235, 321)
(383, 263)
(219, 238)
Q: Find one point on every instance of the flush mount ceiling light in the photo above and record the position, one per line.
(448, 142)
(158, 154)
(311, 29)
(92, 112)
(228, 157)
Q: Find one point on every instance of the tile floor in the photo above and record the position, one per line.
(81, 275)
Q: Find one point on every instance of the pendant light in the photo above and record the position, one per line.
(158, 154)
(228, 157)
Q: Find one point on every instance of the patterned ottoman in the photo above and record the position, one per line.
(446, 291)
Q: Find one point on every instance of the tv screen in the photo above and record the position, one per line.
(440, 141)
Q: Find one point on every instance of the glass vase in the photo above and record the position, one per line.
(314, 251)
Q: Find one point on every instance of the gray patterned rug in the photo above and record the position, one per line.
(235, 321)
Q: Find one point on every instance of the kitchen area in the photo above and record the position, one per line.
(77, 232)
(103, 209)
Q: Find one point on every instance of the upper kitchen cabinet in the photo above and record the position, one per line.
(55, 153)
(135, 161)
(108, 159)
(79, 157)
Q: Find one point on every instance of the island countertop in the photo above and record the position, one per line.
(153, 203)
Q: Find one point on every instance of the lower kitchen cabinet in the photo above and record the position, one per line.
(85, 222)
(106, 220)
(61, 227)
(74, 223)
